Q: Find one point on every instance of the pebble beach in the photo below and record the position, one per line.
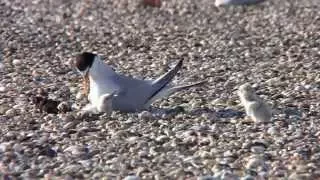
(201, 133)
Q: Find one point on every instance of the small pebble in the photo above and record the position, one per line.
(162, 139)
(10, 112)
(16, 62)
(75, 150)
(2, 88)
(70, 125)
(5, 146)
(64, 107)
(255, 162)
(146, 115)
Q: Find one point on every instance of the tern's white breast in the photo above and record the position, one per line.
(101, 81)
(98, 87)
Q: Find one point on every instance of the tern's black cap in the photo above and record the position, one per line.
(84, 60)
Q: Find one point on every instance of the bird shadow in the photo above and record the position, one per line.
(226, 113)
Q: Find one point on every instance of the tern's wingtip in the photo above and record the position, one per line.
(179, 64)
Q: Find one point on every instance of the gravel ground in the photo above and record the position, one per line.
(274, 45)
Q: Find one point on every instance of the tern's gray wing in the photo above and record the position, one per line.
(132, 93)
(162, 81)
(135, 93)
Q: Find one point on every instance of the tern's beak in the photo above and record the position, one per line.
(85, 73)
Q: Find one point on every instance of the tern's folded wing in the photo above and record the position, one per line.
(162, 81)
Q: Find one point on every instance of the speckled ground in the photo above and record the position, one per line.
(273, 45)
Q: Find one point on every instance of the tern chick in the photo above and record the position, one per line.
(254, 106)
